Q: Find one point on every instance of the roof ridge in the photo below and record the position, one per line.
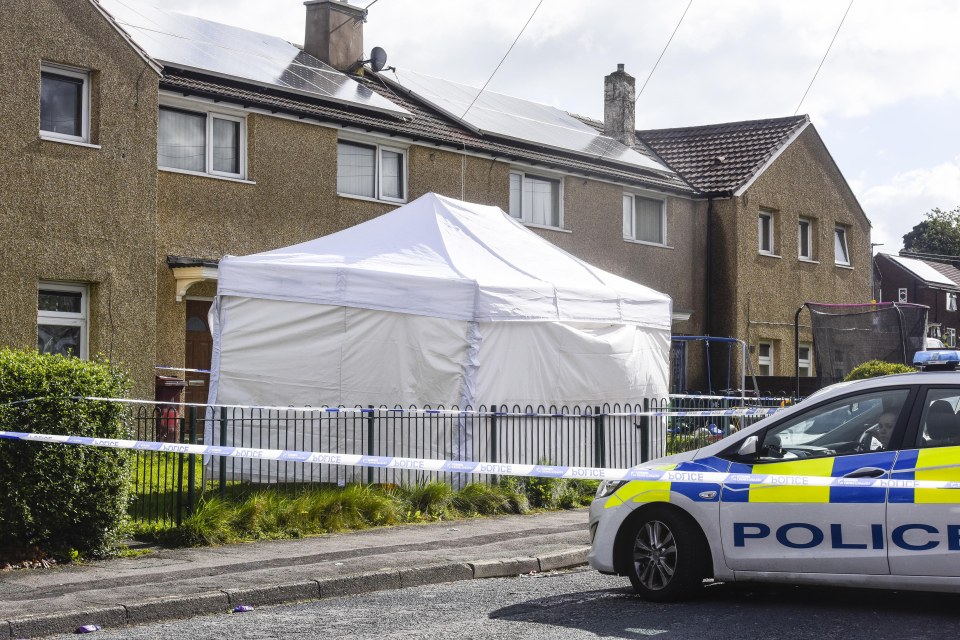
(783, 119)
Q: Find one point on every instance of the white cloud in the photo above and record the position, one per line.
(899, 204)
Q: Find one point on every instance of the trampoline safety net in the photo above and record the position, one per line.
(847, 335)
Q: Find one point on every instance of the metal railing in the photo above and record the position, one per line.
(167, 485)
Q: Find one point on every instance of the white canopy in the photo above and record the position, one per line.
(437, 302)
(445, 258)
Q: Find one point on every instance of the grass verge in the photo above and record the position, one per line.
(276, 515)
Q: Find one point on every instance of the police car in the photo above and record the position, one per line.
(668, 536)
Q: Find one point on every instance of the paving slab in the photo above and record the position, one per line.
(177, 583)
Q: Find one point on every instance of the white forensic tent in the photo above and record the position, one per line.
(439, 302)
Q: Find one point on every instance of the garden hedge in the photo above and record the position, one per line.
(64, 500)
(875, 368)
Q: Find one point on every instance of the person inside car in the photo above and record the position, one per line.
(878, 436)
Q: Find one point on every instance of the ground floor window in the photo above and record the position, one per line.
(62, 318)
(765, 359)
(804, 363)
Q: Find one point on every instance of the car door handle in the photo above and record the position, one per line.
(866, 472)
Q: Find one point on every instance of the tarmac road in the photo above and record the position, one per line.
(577, 604)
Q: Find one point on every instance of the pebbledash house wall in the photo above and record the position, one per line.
(290, 196)
(756, 295)
(72, 213)
(107, 217)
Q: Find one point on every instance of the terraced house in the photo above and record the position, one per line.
(142, 145)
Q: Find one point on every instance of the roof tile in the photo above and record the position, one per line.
(719, 158)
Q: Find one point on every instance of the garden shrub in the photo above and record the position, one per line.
(875, 368)
(62, 499)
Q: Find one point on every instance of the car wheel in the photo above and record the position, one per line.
(666, 557)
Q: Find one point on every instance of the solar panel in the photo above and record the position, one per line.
(521, 120)
(218, 49)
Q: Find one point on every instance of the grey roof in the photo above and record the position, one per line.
(720, 158)
(423, 123)
(512, 118)
(218, 49)
(206, 58)
(939, 275)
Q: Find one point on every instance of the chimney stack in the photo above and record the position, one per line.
(619, 119)
(334, 33)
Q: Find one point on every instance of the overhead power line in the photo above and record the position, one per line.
(535, 9)
(650, 75)
(824, 57)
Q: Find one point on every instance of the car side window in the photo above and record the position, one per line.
(855, 424)
(939, 423)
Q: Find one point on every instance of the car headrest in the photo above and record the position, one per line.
(941, 421)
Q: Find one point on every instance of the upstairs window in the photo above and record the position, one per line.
(62, 319)
(201, 142)
(765, 359)
(951, 301)
(371, 171)
(805, 239)
(902, 294)
(766, 233)
(840, 250)
(535, 199)
(804, 362)
(644, 219)
(64, 103)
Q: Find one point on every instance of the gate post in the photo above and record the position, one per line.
(223, 460)
(494, 444)
(599, 441)
(192, 469)
(645, 432)
(371, 434)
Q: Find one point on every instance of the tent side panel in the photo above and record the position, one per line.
(293, 353)
(571, 363)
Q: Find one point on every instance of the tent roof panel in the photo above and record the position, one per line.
(442, 257)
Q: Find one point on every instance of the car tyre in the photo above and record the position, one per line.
(664, 556)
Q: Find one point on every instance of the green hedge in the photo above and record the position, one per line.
(875, 368)
(63, 499)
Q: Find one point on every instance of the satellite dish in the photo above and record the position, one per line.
(378, 58)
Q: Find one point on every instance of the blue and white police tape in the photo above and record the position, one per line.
(732, 412)
(164, 368)
(484, 468)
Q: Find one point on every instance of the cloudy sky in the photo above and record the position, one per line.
(886, 102)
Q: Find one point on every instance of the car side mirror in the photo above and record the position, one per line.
(748, 448)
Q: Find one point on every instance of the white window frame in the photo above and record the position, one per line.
(630, 219)
(951, 301)
(769, 236)
(378, 169)
(80, 74)
(805, 365)
(65, 319)
(544, 177)
(950, 337)
(805, 253)
(840, 239)
(762, 360)
(902, 294)
(202, 109)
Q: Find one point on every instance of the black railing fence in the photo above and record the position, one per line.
(167, 485)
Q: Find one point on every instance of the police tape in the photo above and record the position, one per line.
(487, 468)
(732, 412)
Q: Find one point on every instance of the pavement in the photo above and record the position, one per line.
(165, 584)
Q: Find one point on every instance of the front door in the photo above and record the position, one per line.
(802, 528)
(199, 350)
